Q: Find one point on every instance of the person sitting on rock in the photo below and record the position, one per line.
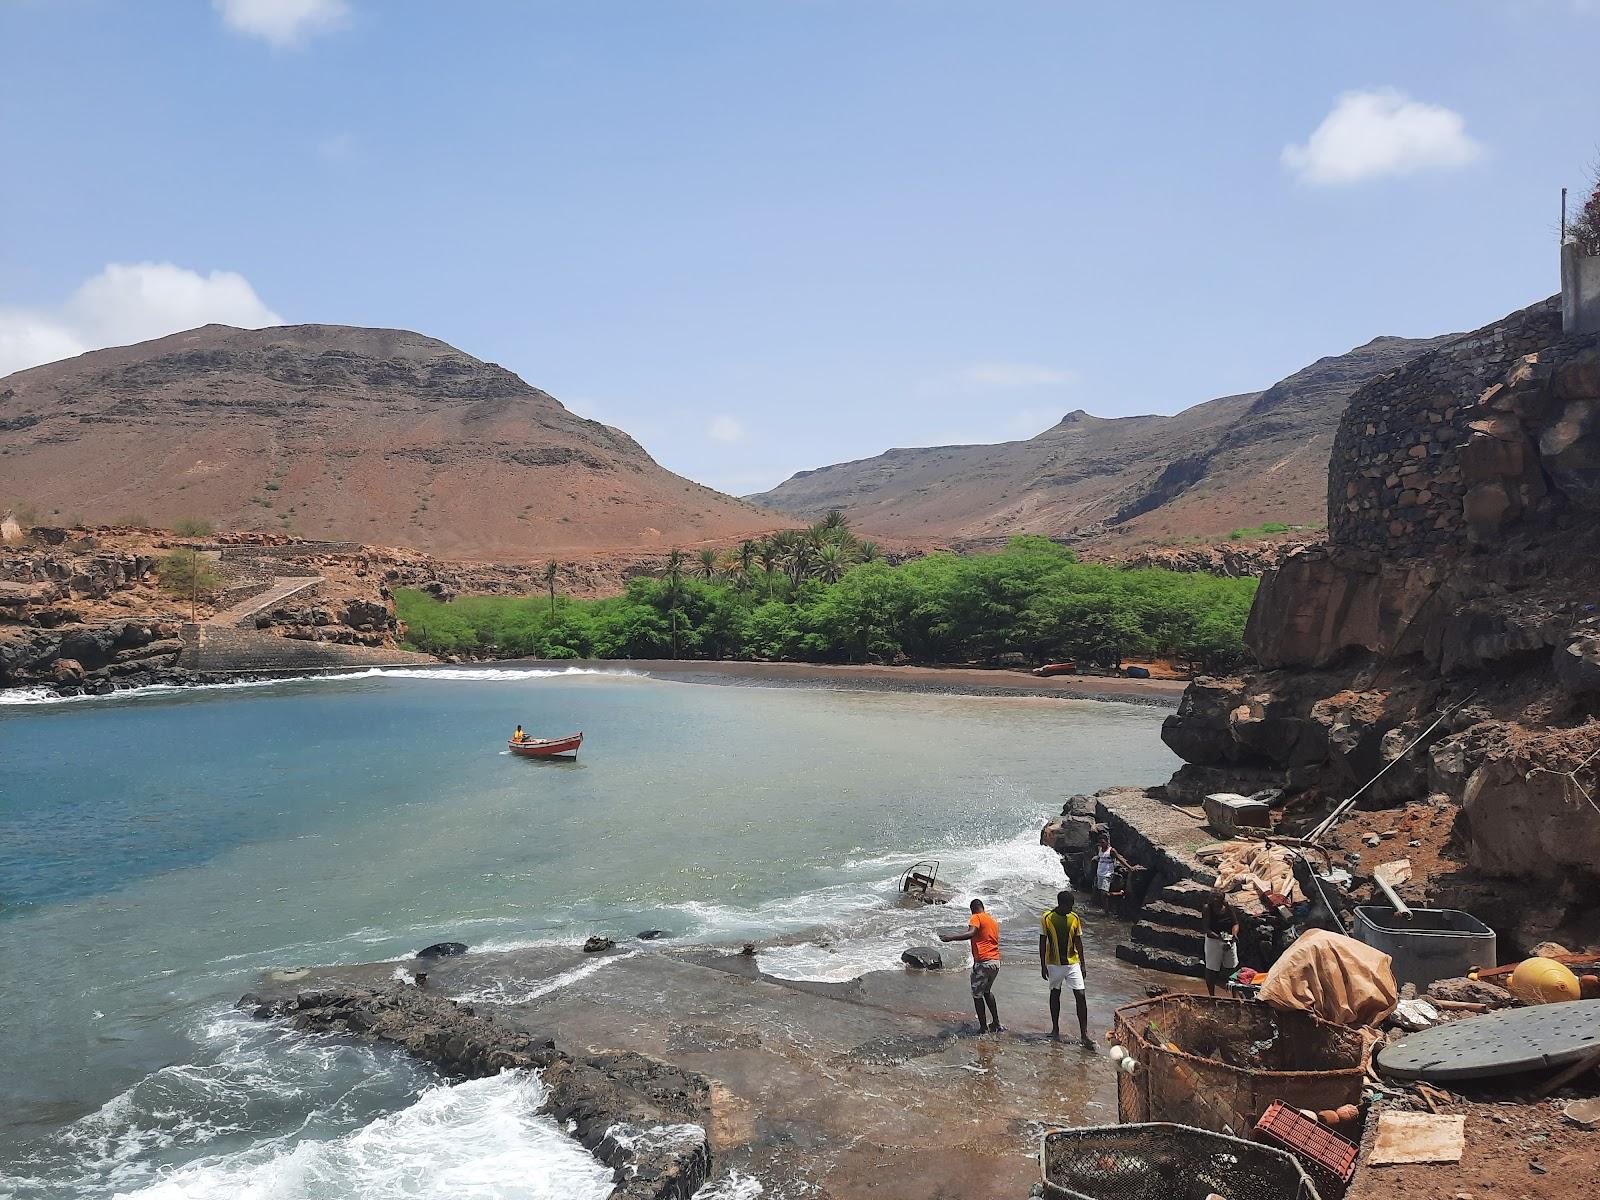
(983, 931)
(1219, 921)
(1061, 960)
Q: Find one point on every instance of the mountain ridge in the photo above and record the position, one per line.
(365, 434)
(1228, 462)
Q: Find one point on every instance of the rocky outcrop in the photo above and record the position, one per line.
(640, 1116)
(1442, 646)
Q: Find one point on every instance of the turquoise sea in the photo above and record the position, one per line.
(159, 849)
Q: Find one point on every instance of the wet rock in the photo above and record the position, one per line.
(597, 943)
(650, 935)
(442, 950)
(924, 958)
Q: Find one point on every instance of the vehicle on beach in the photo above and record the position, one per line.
(1058, 668)
(561, 747)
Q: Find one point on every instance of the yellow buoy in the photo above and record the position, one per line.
(1543, 981)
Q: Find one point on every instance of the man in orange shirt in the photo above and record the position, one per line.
(983, 931)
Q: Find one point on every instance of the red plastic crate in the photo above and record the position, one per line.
(1311, 1140)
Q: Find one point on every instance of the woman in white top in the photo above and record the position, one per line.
(1106, 861)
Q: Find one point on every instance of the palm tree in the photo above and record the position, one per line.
(746, 555)
(550, 582)
(708, 564)
(673, 577)
(736, 569)
(868, 551)
(798, 557)
(831, 563)
(834, 523)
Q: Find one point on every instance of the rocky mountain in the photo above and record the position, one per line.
(329, 431)
(1228, 463)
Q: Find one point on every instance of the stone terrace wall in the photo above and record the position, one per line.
(1396, 480)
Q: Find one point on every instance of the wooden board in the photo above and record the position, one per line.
(1407, 1137)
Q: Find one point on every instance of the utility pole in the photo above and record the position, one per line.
(1563, 216)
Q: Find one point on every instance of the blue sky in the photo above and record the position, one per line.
(766, 235)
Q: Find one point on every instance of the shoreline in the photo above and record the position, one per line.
(908, 680)
(961, 681)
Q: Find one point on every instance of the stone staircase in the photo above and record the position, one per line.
(281, 588)
(1166, 936)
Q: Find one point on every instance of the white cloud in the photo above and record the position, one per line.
(1015, 375)
(283, 23)
(726, 429)
(128, 302)
(1380, 132)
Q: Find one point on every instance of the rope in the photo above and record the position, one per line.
(1338, 813)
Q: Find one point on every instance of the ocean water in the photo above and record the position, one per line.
(158, 850)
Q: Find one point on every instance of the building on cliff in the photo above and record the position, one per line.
(1462, 564)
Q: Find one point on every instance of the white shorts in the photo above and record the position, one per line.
(1070, 975)
(1221, 955)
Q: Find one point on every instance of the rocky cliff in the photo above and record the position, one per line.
(372, 435)
(1459, 579)
(1229, 463)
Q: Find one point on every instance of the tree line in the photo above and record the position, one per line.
(823, 595)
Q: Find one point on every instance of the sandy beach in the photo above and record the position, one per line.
(966, 681)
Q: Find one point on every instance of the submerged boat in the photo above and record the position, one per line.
(561, 747)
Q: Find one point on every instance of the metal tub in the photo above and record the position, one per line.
(1434, 943)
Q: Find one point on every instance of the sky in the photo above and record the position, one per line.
(762, 236)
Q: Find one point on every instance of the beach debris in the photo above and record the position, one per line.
(595, 943)
(919, 884)
(1583, 1113)
(1541, 980)
(1229, 812)
(442, 950)
(1115, 1162)
(1507, 1042)
(1312, 1141)
(1451, 992)
(1333, 977)
(1408, 1137)
(924, 958)
(1372, 839)
(1414, 1015)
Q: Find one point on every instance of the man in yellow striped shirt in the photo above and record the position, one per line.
(1061, 963)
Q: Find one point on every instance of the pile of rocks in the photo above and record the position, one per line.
(641, 1117)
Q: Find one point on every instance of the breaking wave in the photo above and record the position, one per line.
(43, 695)
(359, 1122)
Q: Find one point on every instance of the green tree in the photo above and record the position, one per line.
(187, 573)
(707, 564)
(550, 584)
(191, 527)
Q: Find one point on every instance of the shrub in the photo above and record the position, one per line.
(1585, 227)
(191, 527)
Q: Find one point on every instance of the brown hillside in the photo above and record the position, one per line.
(372, 435)
(1232, 462)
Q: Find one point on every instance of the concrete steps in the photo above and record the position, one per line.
(1162, 912)
(1168, 937)
(1157, 959)
(1167, 934)
(280, 589)
(223, 648)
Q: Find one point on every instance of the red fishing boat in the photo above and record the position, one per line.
(561, 747)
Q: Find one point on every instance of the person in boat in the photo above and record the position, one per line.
(983, 931)
(519, 736)
(1106, 861)
(1061, 962)
(1219, 921)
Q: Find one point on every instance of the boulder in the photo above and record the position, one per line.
(1471, 991)
(1522, 823)
(1200, 731)
(67, 670)
(597, 943)
(924, 958)
(365, 614)
(650, 935)
(1577, 666)
(442, 950)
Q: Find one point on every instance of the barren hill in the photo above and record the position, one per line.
(372, 435)
(1231, 462)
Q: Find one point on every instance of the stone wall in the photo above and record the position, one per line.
(1399, 474)
(1580, 290)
